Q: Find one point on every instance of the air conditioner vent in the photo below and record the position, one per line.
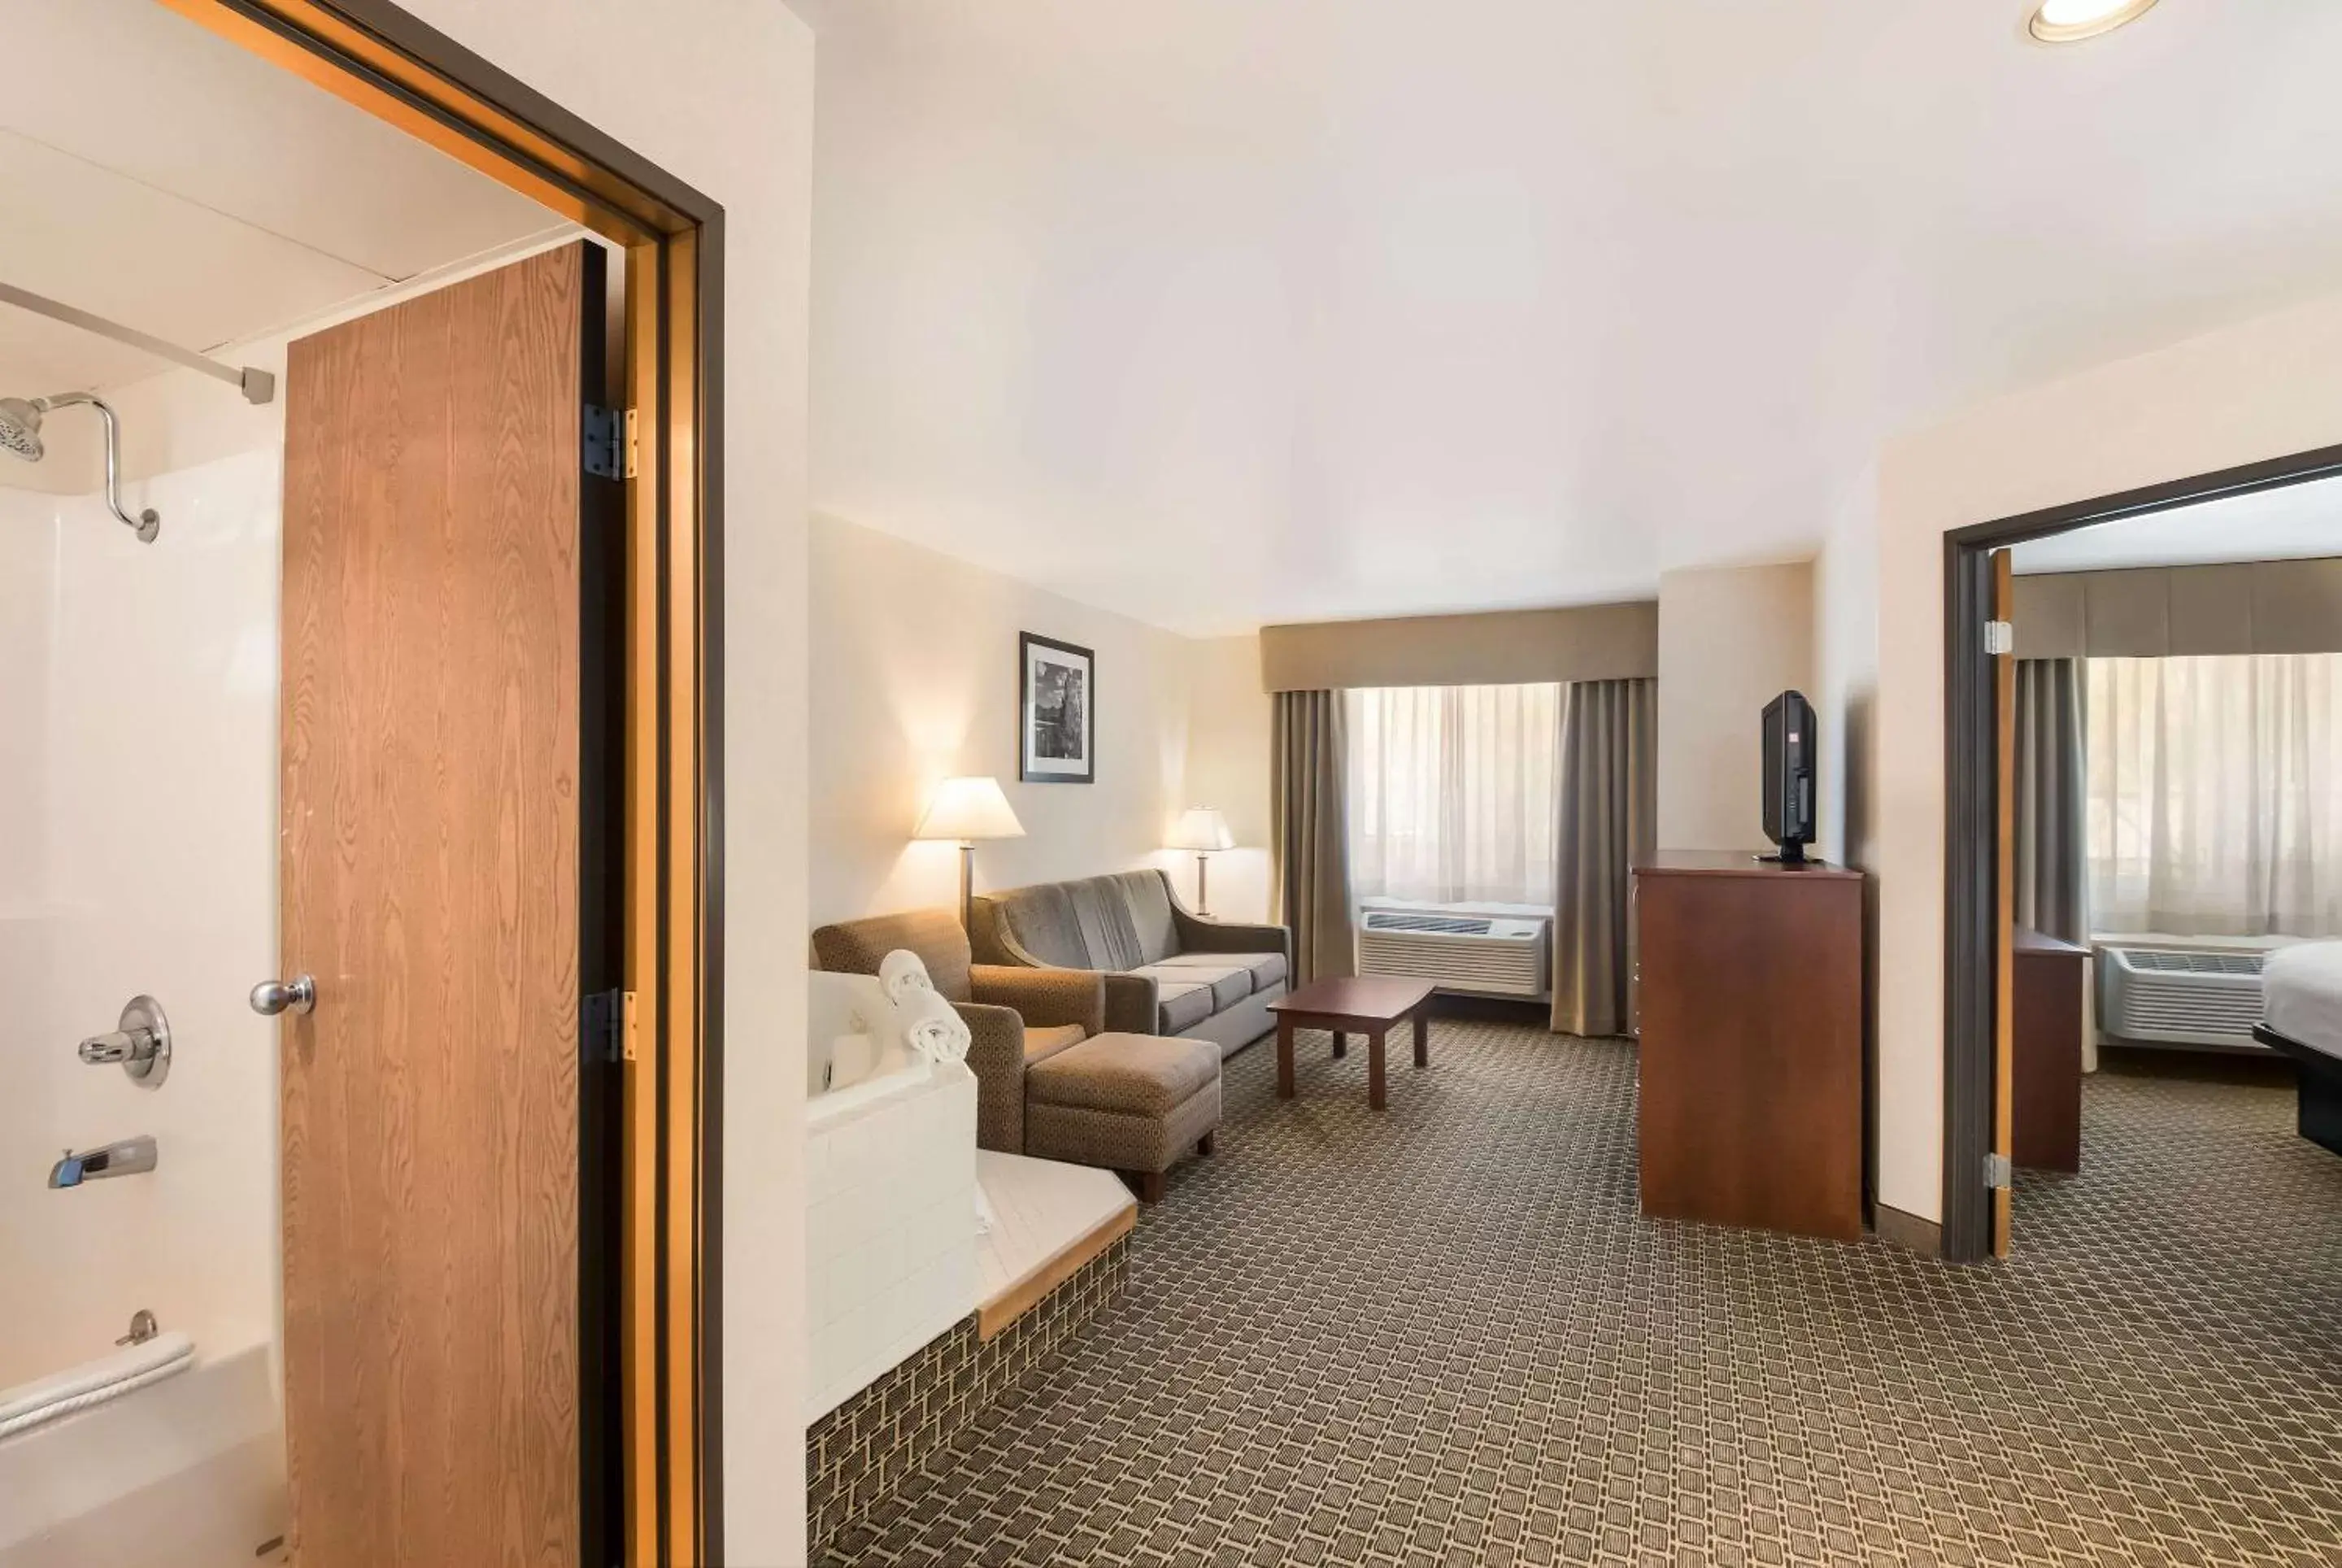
(1443, 925)
(2154, 961)
(1457, 949)
(2161, 996)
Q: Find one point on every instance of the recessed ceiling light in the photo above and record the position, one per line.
(2069, 20)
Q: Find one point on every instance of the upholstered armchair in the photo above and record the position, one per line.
(1017, 1016)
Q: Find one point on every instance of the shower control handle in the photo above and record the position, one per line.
(119, 1045)
(298, 994)
(139, 1043)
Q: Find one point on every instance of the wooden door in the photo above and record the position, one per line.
(2004, 884)
(444, 864)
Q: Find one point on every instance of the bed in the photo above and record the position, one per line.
(2301, 1015)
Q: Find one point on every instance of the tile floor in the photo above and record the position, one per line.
(1442, 1336)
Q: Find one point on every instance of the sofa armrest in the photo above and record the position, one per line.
(995, 1054)
(1199, 935)
(1132, 1006)
(1044, 998)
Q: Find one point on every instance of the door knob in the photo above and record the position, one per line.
(270, 998)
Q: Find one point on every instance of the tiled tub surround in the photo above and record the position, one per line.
(890, 1223)
(857, 1455)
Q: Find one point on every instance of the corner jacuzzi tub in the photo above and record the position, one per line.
(890, 1192)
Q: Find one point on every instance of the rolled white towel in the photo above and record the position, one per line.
(902, 975)
(934, 1027)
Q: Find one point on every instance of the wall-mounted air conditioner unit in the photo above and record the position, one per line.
(2177, 995)
(1501, 953)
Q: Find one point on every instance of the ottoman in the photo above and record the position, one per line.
(1127, 1102)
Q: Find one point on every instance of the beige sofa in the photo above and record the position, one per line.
(1168, 970)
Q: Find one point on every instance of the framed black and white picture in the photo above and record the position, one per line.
(1058, 716)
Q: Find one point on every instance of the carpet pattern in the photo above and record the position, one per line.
(1442, 1337)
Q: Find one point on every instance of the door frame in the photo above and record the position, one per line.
(384, 61)
(1972, 885)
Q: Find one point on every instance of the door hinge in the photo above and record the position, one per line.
(634, 445)
(1999, 636)
(1997, 1174)
(607, 1025)
(609, 443)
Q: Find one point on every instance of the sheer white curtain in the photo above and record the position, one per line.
(1452, 792)
(2216, 795)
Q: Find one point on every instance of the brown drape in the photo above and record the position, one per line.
(1607, 792)
(2052, 800)
(1310, 833)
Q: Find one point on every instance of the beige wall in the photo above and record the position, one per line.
(1731, 638)
(916, 679)
(720, 93)
(1228, 766)
(2258, 390)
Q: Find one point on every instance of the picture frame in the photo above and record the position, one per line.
(1056, 712)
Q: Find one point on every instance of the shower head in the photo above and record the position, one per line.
(20, 428)
(20, 433)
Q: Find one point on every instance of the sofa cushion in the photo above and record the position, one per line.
(1267, 969)
(1041, 920)
(1229, 983)
(1117, 922)
(1181, 1004)
(1136, 1074)
(1146, 896)
(1041, 1044)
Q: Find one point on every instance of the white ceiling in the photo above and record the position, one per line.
(1223, 312)
(158, 175)
(2293, 522)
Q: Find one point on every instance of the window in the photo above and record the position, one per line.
(2216, 795)
(1452, 792)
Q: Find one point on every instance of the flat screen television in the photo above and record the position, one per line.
(1789, 747)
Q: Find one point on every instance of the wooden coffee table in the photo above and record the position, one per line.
(1356, 1005)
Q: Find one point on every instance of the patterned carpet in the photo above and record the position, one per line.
(1442, 1336)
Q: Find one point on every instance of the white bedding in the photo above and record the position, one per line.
(2301, 995)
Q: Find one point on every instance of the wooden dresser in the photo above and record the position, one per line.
(2046, 1051)
(1752, 1072)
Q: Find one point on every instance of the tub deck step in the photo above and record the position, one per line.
(1049, 1217)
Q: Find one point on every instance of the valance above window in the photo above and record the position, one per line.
(2182, 612)
(1501, 648)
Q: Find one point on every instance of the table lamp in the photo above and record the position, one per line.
(1202, 829)
(967, 809)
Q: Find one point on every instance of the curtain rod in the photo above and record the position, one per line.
(257, 386)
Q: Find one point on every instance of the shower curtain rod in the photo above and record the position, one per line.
(257, 386)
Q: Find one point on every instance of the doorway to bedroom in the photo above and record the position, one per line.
(2145, 760)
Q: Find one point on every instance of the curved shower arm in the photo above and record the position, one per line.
(148, 523)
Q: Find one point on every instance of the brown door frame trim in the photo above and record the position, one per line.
(384, 60)
(1972, 806)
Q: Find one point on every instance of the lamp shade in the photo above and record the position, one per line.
(1201, 828)
(968, 809)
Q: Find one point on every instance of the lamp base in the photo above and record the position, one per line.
(1203, 886)
(967, 889)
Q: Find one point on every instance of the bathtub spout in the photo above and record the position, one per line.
(126, 1158)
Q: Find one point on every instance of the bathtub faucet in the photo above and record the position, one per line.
(126, 1158)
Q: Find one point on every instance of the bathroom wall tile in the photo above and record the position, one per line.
(161, 878)
(891, 1242)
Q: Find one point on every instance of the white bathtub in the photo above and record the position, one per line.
(187, 1473)
(890, 1200)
